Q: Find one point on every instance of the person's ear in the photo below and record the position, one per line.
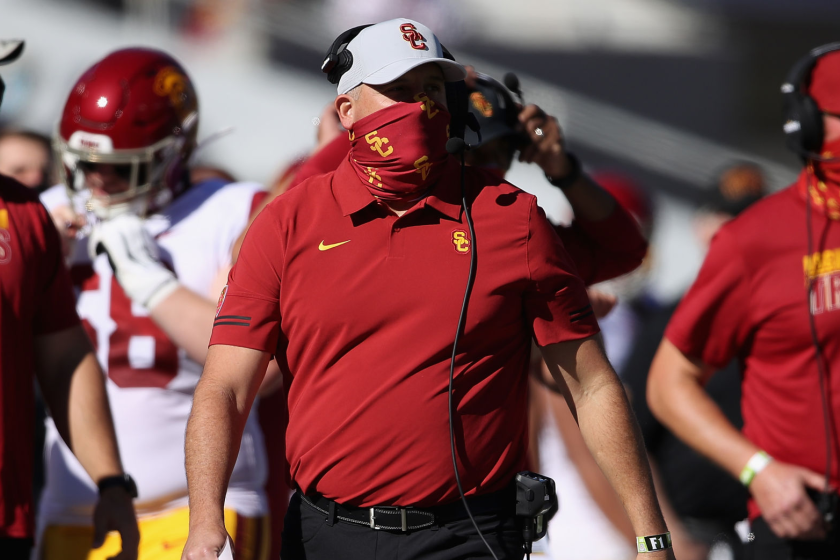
(344, 106)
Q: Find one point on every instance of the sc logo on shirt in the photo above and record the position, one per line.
(461, 242)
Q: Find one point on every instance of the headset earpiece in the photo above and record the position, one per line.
(338, 59)
(803, 119)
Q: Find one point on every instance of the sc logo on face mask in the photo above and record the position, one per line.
(461, 241)
(377, 143)
(427, 105)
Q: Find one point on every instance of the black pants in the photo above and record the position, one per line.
(766, 545)
(15, 549)
(307, 535)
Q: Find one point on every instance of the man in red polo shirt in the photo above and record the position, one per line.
(355, 282)
(40, 334)
(768, 294)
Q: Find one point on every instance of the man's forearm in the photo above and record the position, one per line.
(677, 398)
(221, 404)
(612, 435)
(213, 435)
(588, 200)
(73, 386)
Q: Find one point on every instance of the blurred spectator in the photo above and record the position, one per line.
(209, 19)
(767, 294)
(27, 157)
(699, 519)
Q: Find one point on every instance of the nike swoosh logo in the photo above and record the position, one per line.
(323, 247)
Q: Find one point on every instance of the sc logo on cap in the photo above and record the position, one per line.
(415, 39)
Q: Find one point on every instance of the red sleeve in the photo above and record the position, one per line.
(57, 305)
(605, 249)
(711, 322)
(248, 314)
(325, 160)
(556, 303)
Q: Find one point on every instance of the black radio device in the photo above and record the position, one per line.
(536, 504)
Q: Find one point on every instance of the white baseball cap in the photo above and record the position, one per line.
(385, 51)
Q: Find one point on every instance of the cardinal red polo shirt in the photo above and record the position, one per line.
(36, 298)
(750, 302)
(362, 306)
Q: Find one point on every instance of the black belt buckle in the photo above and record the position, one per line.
(403, 513)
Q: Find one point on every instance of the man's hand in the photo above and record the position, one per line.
(205, 543)
(134, 258)
(547, 147)
(779, 490)
(115, 512)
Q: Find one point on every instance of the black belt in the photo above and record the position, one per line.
(392, 518)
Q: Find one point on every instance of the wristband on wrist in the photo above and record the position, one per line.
(123, 481)
(755, 465)
(653, 543)
(569, 178)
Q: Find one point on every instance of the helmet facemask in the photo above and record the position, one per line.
(152, 174)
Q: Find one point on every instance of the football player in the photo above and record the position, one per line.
(152, 250)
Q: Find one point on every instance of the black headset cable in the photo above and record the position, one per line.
(462, 326)
(817, 349)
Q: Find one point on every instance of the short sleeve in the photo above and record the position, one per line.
(556, 304)
(248, 312)
(57, 304)
(711, 322)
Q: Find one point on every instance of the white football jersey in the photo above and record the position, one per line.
(150, 381)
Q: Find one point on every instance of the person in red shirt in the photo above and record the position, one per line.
(767, 294)
(40, 334)
(373, 260)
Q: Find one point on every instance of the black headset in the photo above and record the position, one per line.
(339, 59)
(803, 118)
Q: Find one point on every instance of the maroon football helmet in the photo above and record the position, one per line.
(136, 113)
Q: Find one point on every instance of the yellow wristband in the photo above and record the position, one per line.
(755, 465)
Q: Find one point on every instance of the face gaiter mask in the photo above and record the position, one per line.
(821, 181)
(399, 152)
